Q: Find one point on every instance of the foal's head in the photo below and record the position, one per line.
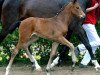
(75, 9)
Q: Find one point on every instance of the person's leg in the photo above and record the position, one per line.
(86, 58)
(92, 36)
(94, 42)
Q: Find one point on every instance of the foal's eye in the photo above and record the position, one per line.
(77, 7)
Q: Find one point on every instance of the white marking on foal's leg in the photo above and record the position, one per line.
(55, 62)
(33, 60)
(38, 68)
(47, 73)
(14, 53)
(96, 64)
(48, 70)
(7, 70)
(9, 67)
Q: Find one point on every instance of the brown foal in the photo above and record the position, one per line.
(54, 28)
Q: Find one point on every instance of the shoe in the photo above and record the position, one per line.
(97, 66)
(82, 66)
(77, 52)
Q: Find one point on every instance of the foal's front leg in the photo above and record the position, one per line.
(64, 41)
(52, 54)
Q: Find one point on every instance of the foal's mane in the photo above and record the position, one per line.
(63, 7)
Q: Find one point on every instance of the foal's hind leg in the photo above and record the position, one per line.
(71, 46)
(32, 59)
(14, 53)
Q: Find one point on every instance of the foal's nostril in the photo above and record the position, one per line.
(82, 16)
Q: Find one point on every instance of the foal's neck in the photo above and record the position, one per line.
(65, 16)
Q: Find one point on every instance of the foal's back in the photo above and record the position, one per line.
(44, 27)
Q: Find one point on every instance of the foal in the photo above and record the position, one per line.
(51, 28)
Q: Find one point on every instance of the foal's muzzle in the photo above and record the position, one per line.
(82, 16)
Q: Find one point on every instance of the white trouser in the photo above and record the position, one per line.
(94, 42)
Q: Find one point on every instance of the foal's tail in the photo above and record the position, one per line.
(1, 3)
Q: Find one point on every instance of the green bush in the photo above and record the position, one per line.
(98, 50)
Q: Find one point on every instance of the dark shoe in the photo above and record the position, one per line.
(77, 52)
(82, 66)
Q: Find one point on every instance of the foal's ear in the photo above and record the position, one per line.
(74, 1)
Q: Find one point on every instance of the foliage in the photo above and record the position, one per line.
(98, 50)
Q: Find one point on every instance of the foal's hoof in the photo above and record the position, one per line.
(39, 69)
(72, 68)
(47, 72)
(33, 67)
